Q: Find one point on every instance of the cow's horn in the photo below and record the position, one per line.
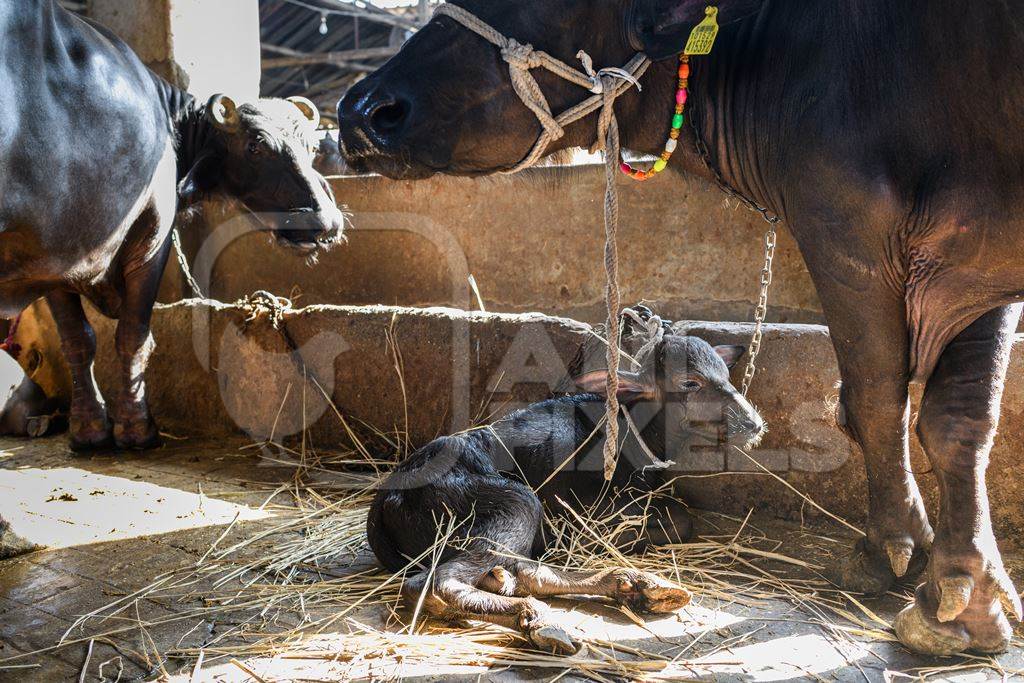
(223, 112)
(308, 108)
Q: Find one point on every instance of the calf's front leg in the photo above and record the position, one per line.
(638, 590)
(450, 594)
(959, 607)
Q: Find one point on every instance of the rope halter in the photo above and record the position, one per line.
(606, 84)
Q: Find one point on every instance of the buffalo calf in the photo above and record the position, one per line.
(476, 500)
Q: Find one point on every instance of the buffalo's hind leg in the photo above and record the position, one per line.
(452, 594)
(89, 426)
(638, 590)
(144, 263)
(959, 607)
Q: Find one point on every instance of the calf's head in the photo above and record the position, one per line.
(261, 154)
(445, 103)
(682, 396)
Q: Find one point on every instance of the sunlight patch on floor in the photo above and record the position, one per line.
(65, 507)
(610, 624)
(791, 657)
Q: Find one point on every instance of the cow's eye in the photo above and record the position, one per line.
(691, 385)
(254, 148)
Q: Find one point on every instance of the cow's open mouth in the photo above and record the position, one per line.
(304, 231)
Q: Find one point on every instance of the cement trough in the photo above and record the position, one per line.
(219, 370)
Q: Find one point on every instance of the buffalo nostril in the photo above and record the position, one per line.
(389, 116)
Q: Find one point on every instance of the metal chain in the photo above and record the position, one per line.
(197, 291)
(761, 312)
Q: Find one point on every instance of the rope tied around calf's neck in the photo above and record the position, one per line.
(606, 85)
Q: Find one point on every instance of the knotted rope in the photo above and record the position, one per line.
(606, 85)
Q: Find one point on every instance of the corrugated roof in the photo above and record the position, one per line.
(358, 39)
(300, 59)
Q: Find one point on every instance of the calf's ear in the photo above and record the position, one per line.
(660, 28)
(730, 354)
(631, 387)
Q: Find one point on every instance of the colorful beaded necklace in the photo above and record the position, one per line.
(682, 93)
(701, 41)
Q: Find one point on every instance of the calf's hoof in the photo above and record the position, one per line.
(137, 435)
(866, 569)
(928, 629)
(90, 435)
(536, 624)
(643, 592)
(554, 639)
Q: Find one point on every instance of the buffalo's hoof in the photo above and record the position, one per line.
(137, 435)
(90, 435)
(643, 592)
(932, 630)
(872, 572)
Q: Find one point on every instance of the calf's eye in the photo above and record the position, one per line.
(691, 385)
(254, 148)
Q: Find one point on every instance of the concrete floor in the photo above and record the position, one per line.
(115, 524)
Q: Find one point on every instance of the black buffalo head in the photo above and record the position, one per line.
(445, 103)
(261, 155)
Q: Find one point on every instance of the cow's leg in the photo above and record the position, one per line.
(134, 427)
(452, 594)
(640, 591)
(89, 426)
(959, 607)
(867, 322)
(143, 266)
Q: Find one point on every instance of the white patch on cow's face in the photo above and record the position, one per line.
(268, 166)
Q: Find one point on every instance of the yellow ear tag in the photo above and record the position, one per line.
(702, 39)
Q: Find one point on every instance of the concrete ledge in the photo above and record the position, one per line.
(534, 242)
(219, 369)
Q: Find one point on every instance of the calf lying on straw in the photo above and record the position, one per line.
(467, 509)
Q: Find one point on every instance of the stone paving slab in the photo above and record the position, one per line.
(42, 594)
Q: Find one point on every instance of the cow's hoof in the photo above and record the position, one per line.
(984, 631)
(872, 572)
(91, 435)
(643, 592)
(137, 435)
(553, 639)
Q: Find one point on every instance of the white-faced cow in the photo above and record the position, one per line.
(94, 152)
(890, 138)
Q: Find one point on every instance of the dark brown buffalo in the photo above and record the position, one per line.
(888, 135)
(94, 151)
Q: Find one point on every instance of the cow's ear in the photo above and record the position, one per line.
(308, 109)
(661, 28)
(200, 180)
